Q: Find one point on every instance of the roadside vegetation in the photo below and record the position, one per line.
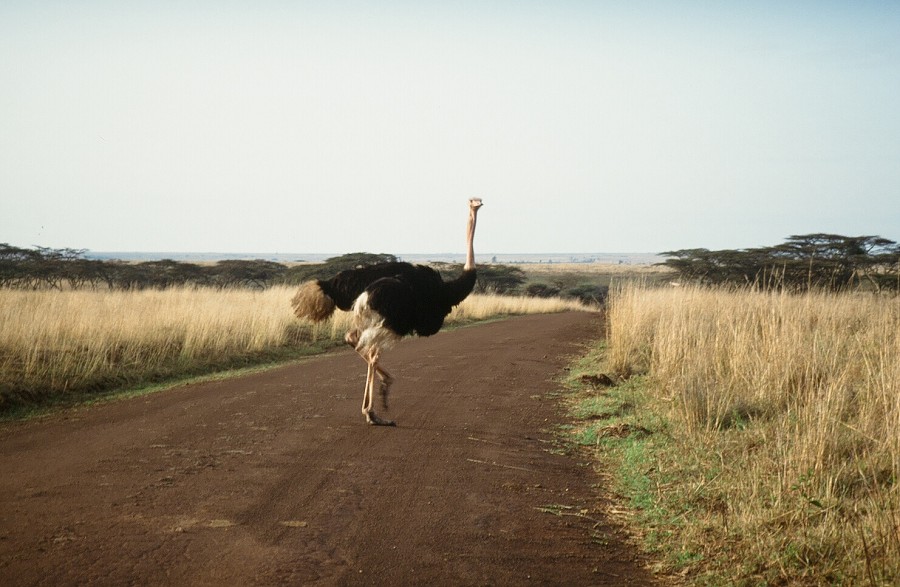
(754, 435)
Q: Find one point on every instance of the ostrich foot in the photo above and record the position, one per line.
(373, 419)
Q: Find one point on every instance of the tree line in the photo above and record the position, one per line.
(47, 268)
(803, 262)
(43, 267)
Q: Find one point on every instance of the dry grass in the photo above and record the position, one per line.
(480, 307)
(61, 341)
(58, 342)
(785, 418)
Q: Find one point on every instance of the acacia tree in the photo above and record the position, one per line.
(257, 274)
(44, 267)
(710, 267)
(13, 261)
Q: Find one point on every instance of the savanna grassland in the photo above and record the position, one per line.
(755, 436)
(64, 345)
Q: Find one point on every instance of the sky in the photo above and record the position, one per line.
(334, 127)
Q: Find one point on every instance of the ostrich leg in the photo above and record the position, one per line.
(352, 338)
(371, 416)
(367, 401)
(386, 381)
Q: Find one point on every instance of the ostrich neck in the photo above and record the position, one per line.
(470, 240)
(456, 290)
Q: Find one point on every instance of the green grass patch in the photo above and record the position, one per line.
(629, 438)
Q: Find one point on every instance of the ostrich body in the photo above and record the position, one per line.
(389, 301)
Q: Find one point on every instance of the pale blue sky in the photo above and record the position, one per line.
(345, 126)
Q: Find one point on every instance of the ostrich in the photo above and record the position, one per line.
(389, 301)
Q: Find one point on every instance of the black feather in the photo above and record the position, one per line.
(411, 298)
(393, 299)
(347, 285)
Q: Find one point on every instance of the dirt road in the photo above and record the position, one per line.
(275, 479)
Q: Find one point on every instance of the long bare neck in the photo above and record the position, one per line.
(470, 239)
(456, 290)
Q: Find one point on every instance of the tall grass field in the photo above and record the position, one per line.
(55, 343)
(778, 438)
